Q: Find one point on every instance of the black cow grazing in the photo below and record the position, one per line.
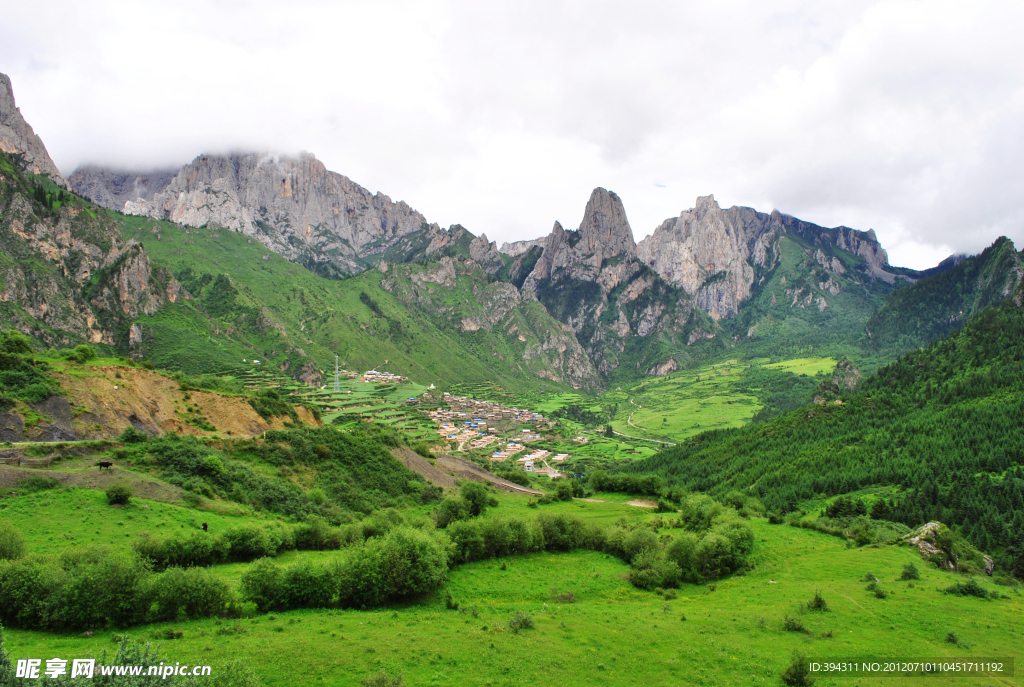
(204, 527)
(105, 464)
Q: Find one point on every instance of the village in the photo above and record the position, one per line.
(475, 425)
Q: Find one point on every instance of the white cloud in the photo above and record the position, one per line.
(901, 116)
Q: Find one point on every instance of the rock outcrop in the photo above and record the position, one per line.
(293, 205)
(18, 138)
(486, 254)
(714, 254)
(517, 248)
(592, 280)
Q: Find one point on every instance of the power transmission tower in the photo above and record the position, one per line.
(337, 379)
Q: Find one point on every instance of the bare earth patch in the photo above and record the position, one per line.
(642, 503)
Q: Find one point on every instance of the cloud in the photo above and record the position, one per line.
(905, 117)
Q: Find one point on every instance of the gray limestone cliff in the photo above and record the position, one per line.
(517, 248)
(713, 253)
(113, 189)
(293, 205)
(18, 138)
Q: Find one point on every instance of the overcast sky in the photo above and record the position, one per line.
(905, 117)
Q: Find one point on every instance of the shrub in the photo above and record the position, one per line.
(791, 624)
(968, 588)
(431, 494)
(263, 584)
(249, 542)
(681, 550)
(12, 544)
(562, 532)
(818, 603)
(178, 594)
(191, 549)
(508, 536)
(952, 638)
(520, 621)
(651, 571)
(910, 571)
(119, 495)
(563, 490)
(317, 535)
(639, 541)
(712, 557)
(130, 435)
(450, 510)
(403, 563)
(467, 540)
(476, 497)
(798, 672)
(307, 585)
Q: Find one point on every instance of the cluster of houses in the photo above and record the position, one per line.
(462, 407)
(373, 376)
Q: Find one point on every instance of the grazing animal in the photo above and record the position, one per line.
(105, 464)
(204, 527)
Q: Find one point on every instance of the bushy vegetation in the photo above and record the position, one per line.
(355, 471)
(97, 588)
(12, 544)
(22, 376)
(942, 423)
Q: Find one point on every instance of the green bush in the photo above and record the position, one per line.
(308, 585)
(818, 603)
(450, 510)
(520, 621)
(507, 536)
(713, 557)
(249, 542)
(195, 548)
(178, 594)
(317, 535)
(130, 435)
(263, 584)
(910, 572)
(681, 550)
(563, 490)
(476, 497)
(268, 403)
(119, 495)
(467, 540)
(791, 624)
(652, 571)
(12, 544)
(798, 673)
(403, 563)
(968, 588)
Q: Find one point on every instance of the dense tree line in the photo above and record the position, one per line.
(943, 424)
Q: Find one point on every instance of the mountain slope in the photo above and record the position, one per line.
(931, 308)
(942, 425)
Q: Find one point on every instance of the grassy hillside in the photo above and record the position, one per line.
(942, 424)
(248, 302)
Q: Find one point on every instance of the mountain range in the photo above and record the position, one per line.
(116, 262)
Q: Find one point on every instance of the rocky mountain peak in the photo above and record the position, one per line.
(605, 229)
(706, 204)
(18, 138)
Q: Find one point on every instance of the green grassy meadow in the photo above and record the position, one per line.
(729, 393)
(730, 633)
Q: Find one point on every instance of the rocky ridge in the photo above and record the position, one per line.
(293, 205)
(716, 254)
(18, 138)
